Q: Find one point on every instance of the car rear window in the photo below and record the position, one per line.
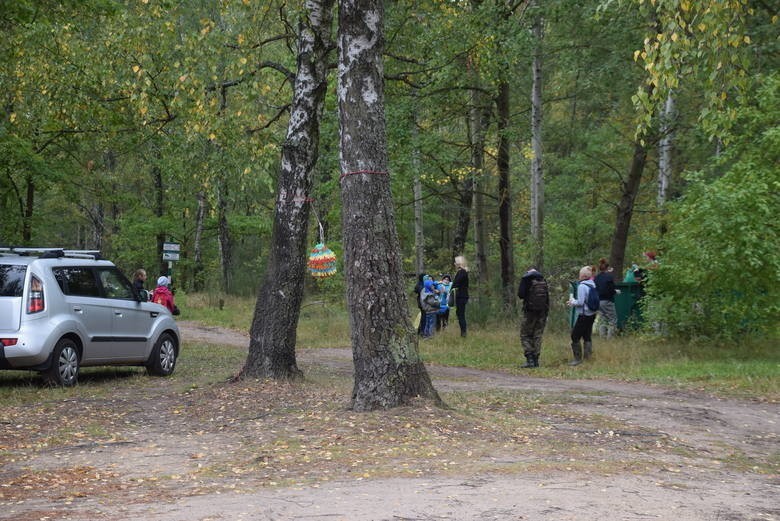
(12, 280)
(77, 281)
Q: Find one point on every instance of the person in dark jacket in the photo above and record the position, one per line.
(461, 286)
(534, 293)
(605, 285)
(139, 279)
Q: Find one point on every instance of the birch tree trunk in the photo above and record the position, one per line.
(665, 149)
(537, 179)
(388, 368)
(505, 199)
(273, 332)
(198, 246)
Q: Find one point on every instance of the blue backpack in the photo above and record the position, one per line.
(592, 300)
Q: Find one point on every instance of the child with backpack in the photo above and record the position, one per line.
(534, 292)
(586, 304)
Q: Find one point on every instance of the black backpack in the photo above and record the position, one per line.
(592, 300)
(537, 296)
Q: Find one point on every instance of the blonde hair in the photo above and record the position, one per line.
(586, 272)
(460, 262)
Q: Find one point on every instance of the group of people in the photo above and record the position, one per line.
(162, 294)
(534, 293)
(436, 297)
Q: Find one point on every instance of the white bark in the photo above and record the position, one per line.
(665, 148)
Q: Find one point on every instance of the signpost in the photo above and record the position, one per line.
(171, 252)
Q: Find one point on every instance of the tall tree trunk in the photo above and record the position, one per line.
(419, 234)
(625, 209)
(29, 206)
(223, 234)
(665, 149)
(273, 332)
(478, 120)
(537, 179)
(159, 211)
(505, 198)
(465, 198)
(388, 368)
(197, 275)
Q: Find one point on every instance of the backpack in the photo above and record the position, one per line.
(592, 300)
(537, 297)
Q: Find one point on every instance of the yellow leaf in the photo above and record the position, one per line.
(136, 68)
(747, 40)
(212, 136)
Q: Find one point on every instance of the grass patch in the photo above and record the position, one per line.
(749, 369)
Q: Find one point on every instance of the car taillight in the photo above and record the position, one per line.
(8, 341)
(35, 302)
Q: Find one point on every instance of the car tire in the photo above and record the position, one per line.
(65, 363)
(162, 362)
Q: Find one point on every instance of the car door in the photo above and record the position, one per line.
(130, 321)
(87, 306)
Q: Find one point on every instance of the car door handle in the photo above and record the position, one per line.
(77, 309)
(117, 313)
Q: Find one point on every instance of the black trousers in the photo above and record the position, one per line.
(583, 328)
(460, 311)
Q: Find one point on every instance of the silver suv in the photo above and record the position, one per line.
(64, 309)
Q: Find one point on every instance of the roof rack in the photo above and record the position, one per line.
(51, 253)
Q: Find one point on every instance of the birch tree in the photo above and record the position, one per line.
(388, 368)
(273, 332)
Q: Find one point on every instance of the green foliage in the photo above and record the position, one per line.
(720, 266)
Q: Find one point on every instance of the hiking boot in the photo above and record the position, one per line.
(529, 362)
(588, 349)
(536, 360)
(576, 349)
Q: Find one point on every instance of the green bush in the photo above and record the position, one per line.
(719, 272)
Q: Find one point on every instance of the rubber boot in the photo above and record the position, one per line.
(576, 349)
(529, 362)
(588, 349)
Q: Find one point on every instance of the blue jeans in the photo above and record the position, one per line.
(429, 322)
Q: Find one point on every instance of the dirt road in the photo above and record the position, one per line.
(571, 450)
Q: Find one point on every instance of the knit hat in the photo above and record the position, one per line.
(163, 281)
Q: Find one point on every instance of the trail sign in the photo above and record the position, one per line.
(171, 251)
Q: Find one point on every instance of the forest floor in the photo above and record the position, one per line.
(509, 447)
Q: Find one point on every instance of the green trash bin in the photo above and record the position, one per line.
(629, 313)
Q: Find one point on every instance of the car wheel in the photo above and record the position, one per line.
(64, 368)
(163, 359)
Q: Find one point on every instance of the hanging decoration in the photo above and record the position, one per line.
(322, 261)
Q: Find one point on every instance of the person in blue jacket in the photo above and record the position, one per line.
(583, 326)
(443, 317)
